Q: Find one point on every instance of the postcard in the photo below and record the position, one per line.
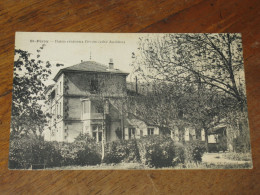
(94, 101)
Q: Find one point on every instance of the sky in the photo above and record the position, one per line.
(70, 48)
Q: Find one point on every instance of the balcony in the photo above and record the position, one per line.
(92, 116)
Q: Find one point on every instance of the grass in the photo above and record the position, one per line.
(213, 166)
(238, 156)
(139, 166)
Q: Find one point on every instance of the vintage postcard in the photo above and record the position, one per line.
(129, 101)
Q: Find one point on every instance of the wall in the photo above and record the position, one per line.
(72, 130)
(139, 130)
(108, 84)
(56, 132)
(73, 110)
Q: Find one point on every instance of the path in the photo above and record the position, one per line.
(217, 158)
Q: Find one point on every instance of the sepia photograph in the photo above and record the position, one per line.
(100, 101)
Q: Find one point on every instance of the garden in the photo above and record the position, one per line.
(157, 151)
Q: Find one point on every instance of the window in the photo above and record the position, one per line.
(131, 133)
(97, 106)
(97, 132)
(86, 107)
(99, 136)
(53, 94)
(94, 85)
(99, 109)
(150, 131)
(60, 109)
(57, 89)
(60, 87)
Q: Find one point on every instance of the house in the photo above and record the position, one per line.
(136, 128)
(89, 98)
(216, 136)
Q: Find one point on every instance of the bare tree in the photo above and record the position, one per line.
(206, 68)
(211, 59)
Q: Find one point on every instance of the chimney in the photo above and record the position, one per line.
(111, 64)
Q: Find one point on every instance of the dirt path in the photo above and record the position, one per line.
(217, 158)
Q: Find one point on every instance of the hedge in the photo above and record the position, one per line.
(122, 151)
(153, 151)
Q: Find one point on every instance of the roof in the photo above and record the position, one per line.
(89, 66)
(133, 120)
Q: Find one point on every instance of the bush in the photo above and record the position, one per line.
(87, 156)
(27, 151)
(156, 151)
(76, 153)
(123, 150)
(241, 144)
(179, 153)
(194, 151)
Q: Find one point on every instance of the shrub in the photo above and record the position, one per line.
(194, 151)
(83, 151)
(46, 153)
(123, 150)
(179, 153)
(20, 153)
(156, 151)
(88, 156)
(26, 151)
(241, 144)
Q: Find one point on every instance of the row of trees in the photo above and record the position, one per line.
(194, 80)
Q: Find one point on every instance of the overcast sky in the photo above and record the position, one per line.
(70, 48)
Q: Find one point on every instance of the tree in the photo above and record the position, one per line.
(28, 93)
(207, 70)
(212, 59)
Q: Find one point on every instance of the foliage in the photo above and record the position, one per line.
(179, 154)
(211, 59)
(122, 151)
(194, 151)
(199, 74)
(27, 151)
(88, 156)
(156, 151)
(153, 151)
(89, 152)
(28, 90)
(241, 144)
(83, 151)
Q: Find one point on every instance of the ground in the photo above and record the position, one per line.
(209, 161)
(218, 158)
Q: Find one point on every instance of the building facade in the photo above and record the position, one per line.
(89, 98)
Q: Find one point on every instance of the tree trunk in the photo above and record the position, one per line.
(103, 150)
(103, 138)
(206, 140)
